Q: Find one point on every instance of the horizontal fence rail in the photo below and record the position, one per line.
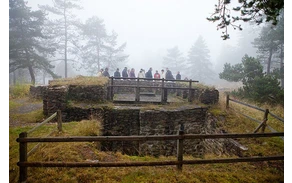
(255, 107)
(57, 114)
(158, 163)
(162, 87)
(262, 124)
(44, 122)
(154, 79)
(180, 137)
(146, 138)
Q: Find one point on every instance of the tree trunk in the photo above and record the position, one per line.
(65, 18)
(44, 77)
(282, 64)
(32, 76)
(269, 61)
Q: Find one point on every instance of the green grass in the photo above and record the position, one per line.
(81, 80)
(19, 90)
(80, 151)
(259, 172)
(30, 117)
(13, 105)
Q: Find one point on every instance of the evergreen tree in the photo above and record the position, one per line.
(257, 86)
(250, 10)
(93, 47)
(114, 54)
(174, 60)
(25, 39)
(64, 26)
(199, 61)
(100, 49)
(226, 56)
(270, 44)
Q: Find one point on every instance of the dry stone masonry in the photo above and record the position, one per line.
(135, 120)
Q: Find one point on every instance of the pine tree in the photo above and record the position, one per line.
(199, 61)
(174, 59)
(100, 49)
(25, 39)
(64, 26)
(270, 44)
(250, 10)
(93, 49)
(114, 54)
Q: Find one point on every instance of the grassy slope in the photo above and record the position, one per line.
(80, 152)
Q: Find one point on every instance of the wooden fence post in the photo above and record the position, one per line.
(137, 99)
(265, 120)
(180, 148)
(227, 101)
(162, 91)
(190, 91)
(59, 116)
(112, 89)
(22, 158)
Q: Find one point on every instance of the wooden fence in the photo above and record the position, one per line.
(180, 137)
(262, 124)
(57, 114)
(162, 87)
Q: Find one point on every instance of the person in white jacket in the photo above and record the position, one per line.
(99, 74)
(141, 74)
(162, 75)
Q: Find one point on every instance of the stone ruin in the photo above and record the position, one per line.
(135, 120)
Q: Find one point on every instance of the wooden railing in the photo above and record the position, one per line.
(23, 154)
(180, 137)
(162, 87)
(262, 124)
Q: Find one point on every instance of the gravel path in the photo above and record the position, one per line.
(26, 106)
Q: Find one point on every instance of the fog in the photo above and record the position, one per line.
(150, 27)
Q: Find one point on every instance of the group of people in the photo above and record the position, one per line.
(104, 73)
(127, 73)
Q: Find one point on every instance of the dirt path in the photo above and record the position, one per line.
(24, 106)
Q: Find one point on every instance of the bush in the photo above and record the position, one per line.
(264, 89)
(19, 90)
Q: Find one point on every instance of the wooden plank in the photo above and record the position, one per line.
(149, 163)
(44, 122)
(150, 94)
(146, 138)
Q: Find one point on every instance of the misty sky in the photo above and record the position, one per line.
(150, 27)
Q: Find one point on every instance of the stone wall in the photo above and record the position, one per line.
(37, 92)
(213, 146)
(55, 98)
(127, 121)
(85, 93)
(167, 122)
(121, 121)
(135, 121)
(59, 97)
(209, 96)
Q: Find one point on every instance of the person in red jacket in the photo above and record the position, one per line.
(156, 75)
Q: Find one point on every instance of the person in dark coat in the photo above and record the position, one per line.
(105, 73)
(132, 73)
(178, 76)
(117, 74)
(125, 72)
(149, 73)
(168, 74)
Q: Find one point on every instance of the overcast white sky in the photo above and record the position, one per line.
(150, 27)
